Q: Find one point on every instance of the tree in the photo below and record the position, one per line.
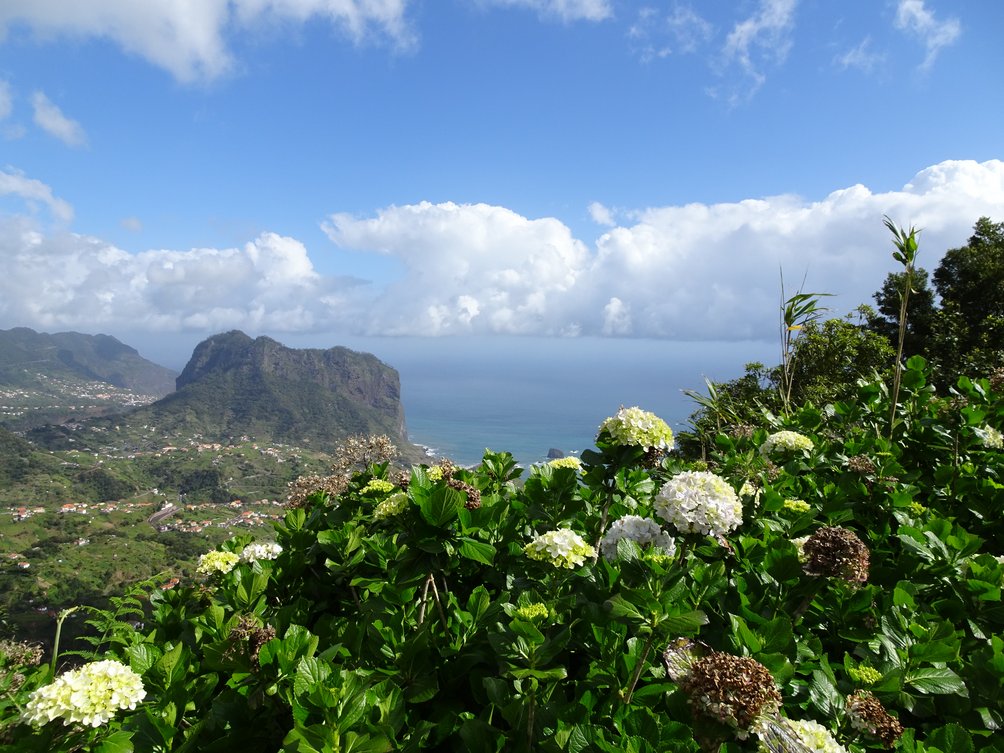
(921, 312)
(969, 328)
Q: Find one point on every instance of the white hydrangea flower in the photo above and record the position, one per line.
(89, 695)
(258, 551)
(562, 548)
(990, 437)
(779, 735)
(637, 427)
(217, 562)
(699, 502)
(642, 531)
(785, 441)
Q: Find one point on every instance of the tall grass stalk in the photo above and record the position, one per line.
(906, 254)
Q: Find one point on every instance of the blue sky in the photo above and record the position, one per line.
(319, 170)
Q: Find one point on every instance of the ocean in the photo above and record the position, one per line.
(529, 395)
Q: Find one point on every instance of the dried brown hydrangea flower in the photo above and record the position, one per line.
(867, 714)
(861, 464)
(836, 552)
(996, 379)
(253, 636)
(354, 454)
(735, 690)
(473, 494)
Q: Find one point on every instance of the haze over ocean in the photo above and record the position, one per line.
(527, 395)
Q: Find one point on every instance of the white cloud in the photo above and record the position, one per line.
(913, 16)
(51, 119)
(763, 38)
(657, 35)
(188, 38)
(566, 10)
(6, 100)
(861, 57)
(16, 183)
(601, 215)
(691, 272)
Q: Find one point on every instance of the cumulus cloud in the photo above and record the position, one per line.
(64, 280)
(566, 10)
(32, 191)
(690, 272)
(914, 17)
(762, 39)
(471, 268)
(188, 38)
(51, 119)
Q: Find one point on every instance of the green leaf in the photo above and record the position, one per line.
(937, 681)
(441, 506)
(310, 674)
(950, 739)
(142, 656)
(117, 742)
(618, 606)
(478, 551)
(478, 603)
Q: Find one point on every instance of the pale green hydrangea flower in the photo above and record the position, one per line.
(435, 473)
(699, 502)
(566, 462)
(89, 695)
(261, 551)
(785, 441)
(377, 486)
(812, 735)
(562, 548)
(642, 531)
(991, 437)
(638, 428)
(533, 612)
(800, 546)
(797, 505)
(217, 562)
(395, 504)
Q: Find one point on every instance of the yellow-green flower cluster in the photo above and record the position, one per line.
(217, 562)
(395, 504)
(797, 505)
(991, 437)
(569, 461)
(785, 442)
(261, 551)
(864, 675)
(377, 486)
(435, 473)
(89, 695)
(533, 612)
(637, 428)
(562, 548)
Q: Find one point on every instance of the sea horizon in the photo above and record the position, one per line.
(528, 396)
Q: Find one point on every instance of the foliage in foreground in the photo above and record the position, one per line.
(818, 587)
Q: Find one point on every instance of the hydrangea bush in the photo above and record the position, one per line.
(848, 600)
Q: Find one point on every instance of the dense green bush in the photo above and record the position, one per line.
(855, 604)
